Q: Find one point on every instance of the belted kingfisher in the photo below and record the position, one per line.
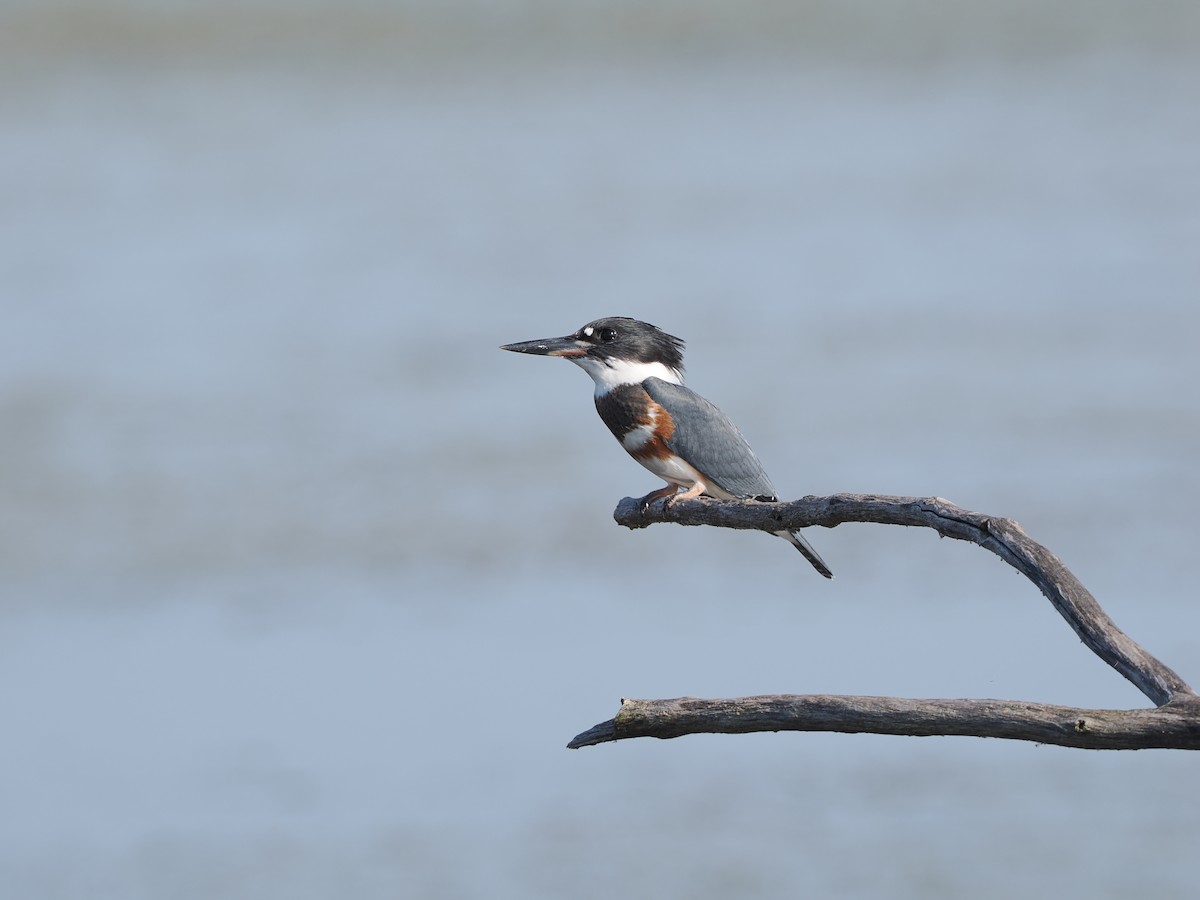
(668, 428)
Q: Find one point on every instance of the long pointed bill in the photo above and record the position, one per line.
(561, 346)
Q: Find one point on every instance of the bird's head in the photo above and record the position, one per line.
(615, 351)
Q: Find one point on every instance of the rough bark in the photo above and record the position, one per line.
(1174, 722)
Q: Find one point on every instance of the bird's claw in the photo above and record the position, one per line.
(654, 496)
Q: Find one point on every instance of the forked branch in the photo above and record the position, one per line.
(1175, 723)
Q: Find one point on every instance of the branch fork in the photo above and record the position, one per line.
(1173, 721)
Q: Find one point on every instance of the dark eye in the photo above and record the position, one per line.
(607, 334)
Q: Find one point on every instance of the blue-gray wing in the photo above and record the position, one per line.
(706, 439)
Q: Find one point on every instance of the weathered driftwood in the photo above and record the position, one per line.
(1174, 722)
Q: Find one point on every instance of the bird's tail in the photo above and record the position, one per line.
(810, 554)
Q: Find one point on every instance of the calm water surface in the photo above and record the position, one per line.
(304, 586)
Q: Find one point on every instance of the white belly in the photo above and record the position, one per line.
(675, 471)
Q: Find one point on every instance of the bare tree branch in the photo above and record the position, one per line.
(1174, 723)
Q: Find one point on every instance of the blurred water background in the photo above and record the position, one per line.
(304, 585)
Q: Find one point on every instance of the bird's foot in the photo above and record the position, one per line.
(654, 496)
(690, 494)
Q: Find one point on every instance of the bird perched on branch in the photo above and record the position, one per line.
(668, 428)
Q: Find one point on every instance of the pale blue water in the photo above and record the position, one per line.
(304, 586)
